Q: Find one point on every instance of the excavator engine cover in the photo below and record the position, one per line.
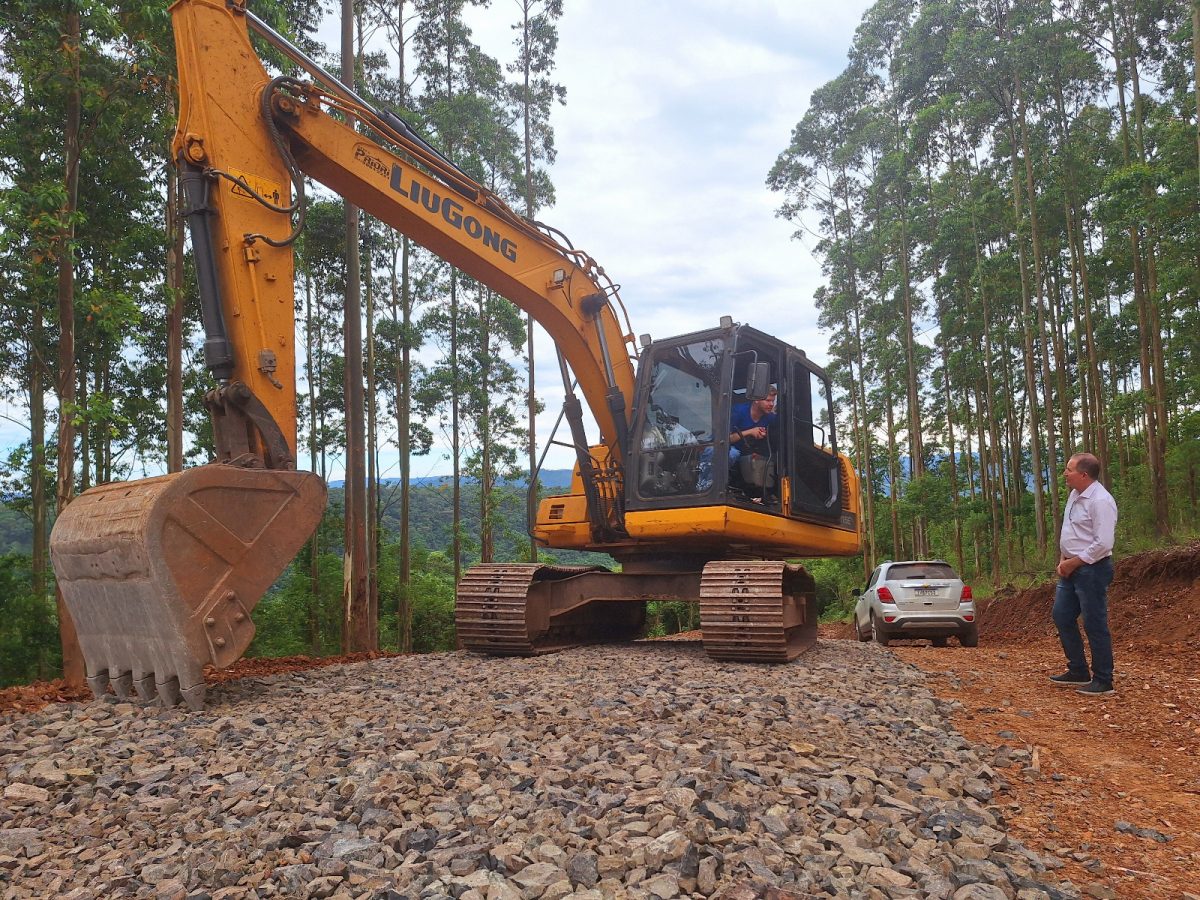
(160, 575)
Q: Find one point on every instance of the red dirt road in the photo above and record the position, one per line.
(1130, 758)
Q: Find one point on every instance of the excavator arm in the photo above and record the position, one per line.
(161, 575)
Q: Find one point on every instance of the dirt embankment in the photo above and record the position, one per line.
(1154, 601)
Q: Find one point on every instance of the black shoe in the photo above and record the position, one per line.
(1069, 679)
(1096, 688)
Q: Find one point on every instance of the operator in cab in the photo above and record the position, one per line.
(751, 469)
(751, 421)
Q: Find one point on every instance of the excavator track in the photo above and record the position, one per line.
(757, 611)
(490, 610)
(529, 610)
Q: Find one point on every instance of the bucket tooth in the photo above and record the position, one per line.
(98, 684)
(168, 692)
(194, 696)
(144, 684)
(123, 685)
(160, 576)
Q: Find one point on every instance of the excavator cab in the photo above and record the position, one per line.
(696, 522)
(689, 392)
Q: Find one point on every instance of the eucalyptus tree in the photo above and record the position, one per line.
(818, 172)
(534, 95)
(398, 19)
(460, 107)
(879, 50)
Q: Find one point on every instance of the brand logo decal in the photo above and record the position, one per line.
(453, 212)
(374, 163)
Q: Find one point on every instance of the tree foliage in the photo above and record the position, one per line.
(1005, 201)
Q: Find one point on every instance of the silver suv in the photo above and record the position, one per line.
(916, 599)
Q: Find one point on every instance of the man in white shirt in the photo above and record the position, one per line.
(1085, 570)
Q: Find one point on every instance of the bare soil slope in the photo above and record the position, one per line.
(1154, 600)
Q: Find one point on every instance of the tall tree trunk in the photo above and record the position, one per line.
(1096, 373)
(958, 553)
(1039, 282)
(1123, 66)
(1157, 398)
(175, 296)
(893, 478)
(916, 450)
(358, 628)
(858, 387)
(37, 445)
(487, 547)
(455, 439)
(1028, 356)
(1014, 484)
(1058, 335)
(314, 543)
(1196, 72)
(372, 493)
(83, 433)
(531, 497)
(988, 413)
(403, 405)
(73, 665)
(402, 307)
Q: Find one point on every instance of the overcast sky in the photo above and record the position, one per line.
(675, 113)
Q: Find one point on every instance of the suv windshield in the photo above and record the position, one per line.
(920, 570)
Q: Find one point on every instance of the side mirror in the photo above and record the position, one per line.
(758, 384)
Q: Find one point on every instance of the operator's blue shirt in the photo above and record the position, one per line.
(739, 419)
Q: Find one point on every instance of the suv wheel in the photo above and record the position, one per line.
(863, 636)
(940, 641)
(970, 637)
(877, 632)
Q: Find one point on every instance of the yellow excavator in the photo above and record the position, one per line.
(160, 576)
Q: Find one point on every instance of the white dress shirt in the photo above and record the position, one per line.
(1089, 524)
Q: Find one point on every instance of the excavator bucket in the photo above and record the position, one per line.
(160, 575)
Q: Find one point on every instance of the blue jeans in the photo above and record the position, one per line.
(1086, 593)
(704, 477)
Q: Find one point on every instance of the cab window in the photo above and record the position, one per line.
(677, 428)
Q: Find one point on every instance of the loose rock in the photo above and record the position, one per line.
(644, 770)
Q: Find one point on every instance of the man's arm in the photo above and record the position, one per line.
(1104, 521)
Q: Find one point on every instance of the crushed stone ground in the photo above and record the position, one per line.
(1100, 795)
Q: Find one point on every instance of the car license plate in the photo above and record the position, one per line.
(927, 592)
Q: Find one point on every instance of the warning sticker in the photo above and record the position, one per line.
(264, 187)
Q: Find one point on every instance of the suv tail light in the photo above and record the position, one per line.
(966, 594)
(885, 595)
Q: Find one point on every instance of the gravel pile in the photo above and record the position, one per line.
(643, 770)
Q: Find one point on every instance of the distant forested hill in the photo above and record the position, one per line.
(430, 519)
(16, 532)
